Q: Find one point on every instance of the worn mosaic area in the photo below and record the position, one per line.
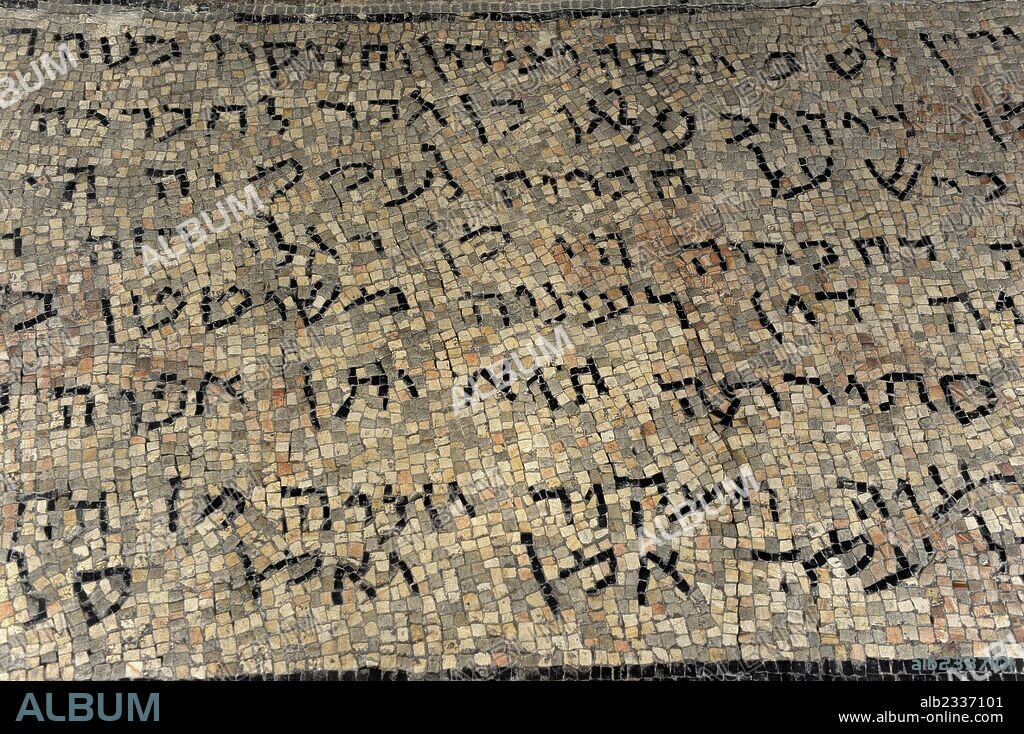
(433, 344)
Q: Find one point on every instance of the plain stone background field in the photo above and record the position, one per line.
(508, 293)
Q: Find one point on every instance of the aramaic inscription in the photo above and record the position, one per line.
(580, 339)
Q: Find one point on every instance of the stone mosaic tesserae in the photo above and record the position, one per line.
(440, 343)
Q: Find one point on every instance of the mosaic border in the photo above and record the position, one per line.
(872, 670)
(393, 12)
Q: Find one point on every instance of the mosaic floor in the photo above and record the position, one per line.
(448, 344)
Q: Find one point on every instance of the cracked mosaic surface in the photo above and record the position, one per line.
(468, 305)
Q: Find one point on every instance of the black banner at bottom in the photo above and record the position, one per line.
(789, 702)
